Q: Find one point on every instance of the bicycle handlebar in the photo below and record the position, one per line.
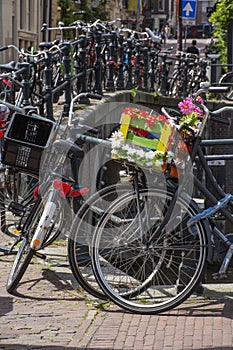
(20, 52)
(18, 109)
(88, 95)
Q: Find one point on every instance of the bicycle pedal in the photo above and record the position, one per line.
(16, 208)
(218, 275)
(40, 255)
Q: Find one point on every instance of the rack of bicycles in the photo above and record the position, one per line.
(101, 57)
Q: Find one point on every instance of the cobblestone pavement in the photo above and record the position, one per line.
(49, 312)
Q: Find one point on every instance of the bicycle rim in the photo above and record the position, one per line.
(144, 278)
(16, 191)
(21, 262)
(25, 253)
(82, 231)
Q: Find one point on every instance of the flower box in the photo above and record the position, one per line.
(143, 139)
(155, 141)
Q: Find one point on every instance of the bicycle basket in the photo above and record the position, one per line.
(25, 139)
(149, 141)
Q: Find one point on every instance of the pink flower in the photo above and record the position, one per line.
(186, 106)
(200, 100)
(143, 113)
(150, 120)
(161, 118)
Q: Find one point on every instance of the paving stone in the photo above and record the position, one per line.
(47, 313)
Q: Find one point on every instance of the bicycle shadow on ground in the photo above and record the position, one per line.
(26, 288)
(50, 347)
(6, 305)
(54, 347)
(218, 305)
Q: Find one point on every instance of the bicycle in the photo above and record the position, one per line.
(51, 213)
(151, 259)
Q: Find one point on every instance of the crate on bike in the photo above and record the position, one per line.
(25, 139)
(149, 140)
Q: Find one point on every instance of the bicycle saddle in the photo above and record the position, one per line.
(46, 45)
(9, 67)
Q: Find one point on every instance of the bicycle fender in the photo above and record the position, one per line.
(43, 225)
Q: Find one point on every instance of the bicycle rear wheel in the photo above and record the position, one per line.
(82, 231)
(144, 277)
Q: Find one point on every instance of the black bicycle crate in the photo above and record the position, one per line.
(25, 139)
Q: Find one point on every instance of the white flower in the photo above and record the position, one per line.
(129, 149)
(130, 159)
(149, 163)
(116, 143)
(170, 154)
(117, 139)
(150, 155)
(159, 162)
(141, 153)
(114, 152)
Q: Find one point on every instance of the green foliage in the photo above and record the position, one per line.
(134, 91)
(97, 12)
(156, 94)
(221, 19)
(67, 9)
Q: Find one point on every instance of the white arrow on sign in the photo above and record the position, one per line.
(188, 8)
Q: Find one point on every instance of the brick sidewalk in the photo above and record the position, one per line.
(48, 313)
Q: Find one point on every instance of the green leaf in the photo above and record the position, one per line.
(134, 91)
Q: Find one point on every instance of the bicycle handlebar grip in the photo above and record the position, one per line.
(3, 48)
(94, 96)
(219, 89)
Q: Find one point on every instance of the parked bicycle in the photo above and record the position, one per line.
(51, 214)
(146, 257)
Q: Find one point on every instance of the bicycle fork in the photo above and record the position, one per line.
(60, 190)
(44, 223)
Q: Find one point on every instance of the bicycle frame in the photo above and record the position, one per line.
(213, 196)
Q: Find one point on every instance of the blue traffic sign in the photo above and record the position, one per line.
(189, 8)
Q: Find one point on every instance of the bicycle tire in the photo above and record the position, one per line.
(25, 253)
(227, 80)
(81, 231)
(166, 272)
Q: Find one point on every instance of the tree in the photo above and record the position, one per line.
(67, 9)
(221, 19)
(98, 12)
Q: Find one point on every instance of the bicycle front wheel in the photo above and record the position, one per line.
(25, 252)
(141, 268)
